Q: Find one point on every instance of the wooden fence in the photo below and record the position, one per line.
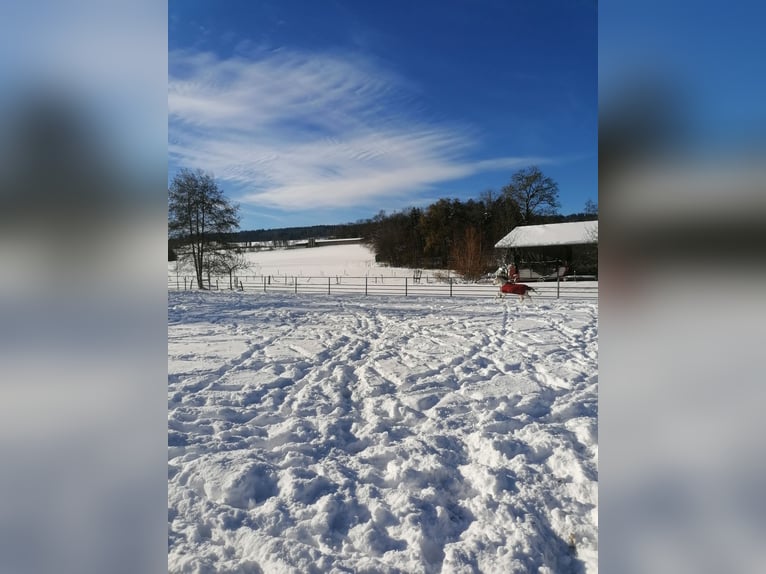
(379, 285)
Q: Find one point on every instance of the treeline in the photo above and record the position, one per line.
(281, 236)
(451, 234)
(338, 231)
(461, 235)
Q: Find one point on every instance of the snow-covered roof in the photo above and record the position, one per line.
(573, 233)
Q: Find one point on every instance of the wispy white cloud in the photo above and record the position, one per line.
(297, 131)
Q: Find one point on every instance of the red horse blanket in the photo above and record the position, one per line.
(516, 288)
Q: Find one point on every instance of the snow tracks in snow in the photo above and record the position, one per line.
(320, 434)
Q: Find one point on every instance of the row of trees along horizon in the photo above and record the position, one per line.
(448, 234)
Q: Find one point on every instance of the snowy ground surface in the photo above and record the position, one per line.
(329, 261)
(316, 433)
(348, 269)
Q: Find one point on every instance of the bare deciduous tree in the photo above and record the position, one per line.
(467, 256)
(534, 193)
(198, 213)
(229, 261)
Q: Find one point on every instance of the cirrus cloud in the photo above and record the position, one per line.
(294, 131)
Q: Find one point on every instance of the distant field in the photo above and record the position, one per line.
(331, 260)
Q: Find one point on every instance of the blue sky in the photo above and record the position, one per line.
(319, 112)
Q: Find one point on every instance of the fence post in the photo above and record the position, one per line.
(216, 285)
(264, 284)
(328, 285)
(450, 286)
(558, 279)
(295, 279)
(405, 286)
(365, 285)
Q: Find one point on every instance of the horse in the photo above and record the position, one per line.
(519, 289)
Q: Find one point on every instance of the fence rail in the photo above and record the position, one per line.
(378, 285)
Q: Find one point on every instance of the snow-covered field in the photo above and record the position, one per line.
(347, 269)
(343, 433)
(330, 261)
